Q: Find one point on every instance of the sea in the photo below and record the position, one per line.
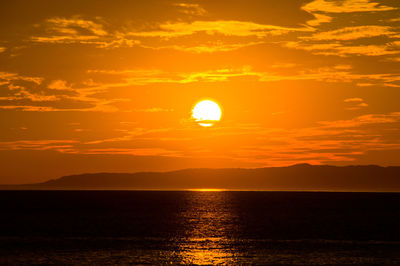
(201, 227)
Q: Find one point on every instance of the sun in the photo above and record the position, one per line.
(206, 113)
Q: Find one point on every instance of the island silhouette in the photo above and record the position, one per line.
(299, 177)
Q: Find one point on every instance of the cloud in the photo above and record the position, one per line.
(8, 77)
(352, 33)
(391, 85)
(134, 151)
(132, 133)
(326, 142)
(368, 50)
(31, 94)
(59, 85)
(108, 42)
(224, 27)
(209, 47)
(338, 49)
(363, 120)
(24, 90)
(334, 12)
(72, 30)
(65, 39)
(355, 103)
(319, 19)
(331, 141)
(78, 30)
(23, 93)
(363, 84)
(191, 9)
(143, 77)
(28, 108)
(336, 73)
(59, 96)
(345, 6)
(36, 144)
(349, 100)
(72, 26)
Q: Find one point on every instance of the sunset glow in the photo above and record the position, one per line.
(112, 86)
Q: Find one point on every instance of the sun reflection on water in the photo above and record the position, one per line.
(206, 189)
(205, 251)
(207, 229)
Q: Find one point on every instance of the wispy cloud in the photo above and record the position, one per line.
(363, 120)
(134, 151)
(319, 19)
(84, 31)
(70, 30)
(347, 40)
(355, 103)
(191, 9)
(60, 30)
(28, 108)
(59, 85)
(327, 141)
(73, 25)
(338, 49)
(336, 73)
(346, 6)
(86, 97)
(332, 141)
(37, 144)
(225, 27)
(352, 33)
(207, 47)
(8, 76)
(350, 100)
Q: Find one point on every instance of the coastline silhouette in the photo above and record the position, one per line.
(297, 178)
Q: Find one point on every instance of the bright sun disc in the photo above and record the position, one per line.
(206, 113)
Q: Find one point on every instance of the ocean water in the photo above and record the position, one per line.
(199, 227)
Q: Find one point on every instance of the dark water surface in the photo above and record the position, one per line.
(192, 227)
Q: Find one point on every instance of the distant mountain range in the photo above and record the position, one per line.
(296, 177)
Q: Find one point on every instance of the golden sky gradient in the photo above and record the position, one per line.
(108, 86)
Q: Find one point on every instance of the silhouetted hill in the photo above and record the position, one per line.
(296, 177)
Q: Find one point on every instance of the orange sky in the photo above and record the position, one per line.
(108, 86)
